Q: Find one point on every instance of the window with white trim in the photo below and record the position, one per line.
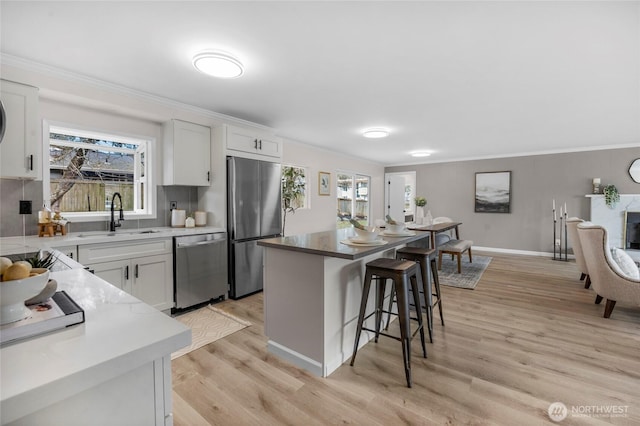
(353, 198)
(87, 168)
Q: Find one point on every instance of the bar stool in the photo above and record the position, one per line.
(426, 258)
(401, 272)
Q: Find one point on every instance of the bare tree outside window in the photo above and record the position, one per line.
(85, 171)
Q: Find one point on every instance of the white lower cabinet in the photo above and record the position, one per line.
(70, 251)
(116, 273)
(142, 269)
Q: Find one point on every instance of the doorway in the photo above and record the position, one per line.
(399, 195)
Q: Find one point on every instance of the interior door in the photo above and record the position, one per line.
(394, 197)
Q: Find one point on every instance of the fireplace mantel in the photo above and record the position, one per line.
(613, 218)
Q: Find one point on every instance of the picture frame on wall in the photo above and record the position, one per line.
(324, 183)
(493, 192)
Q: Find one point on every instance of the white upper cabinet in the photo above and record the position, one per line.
(20, 149)
(252, 141)
(187, 154)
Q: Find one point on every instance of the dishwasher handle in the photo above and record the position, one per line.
(201, 243)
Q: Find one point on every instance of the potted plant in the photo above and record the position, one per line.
(611, 195)
(420, 203)
(293, 186)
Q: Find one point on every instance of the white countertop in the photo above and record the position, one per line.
(120, 333)
(31, 243)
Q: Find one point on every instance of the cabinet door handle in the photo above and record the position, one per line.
(255, 143)
(31, 162)
(135, 272)
(208, 176)
(126, 272)
(260, 144)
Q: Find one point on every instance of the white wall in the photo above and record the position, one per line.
(321, 216)
(100, 106)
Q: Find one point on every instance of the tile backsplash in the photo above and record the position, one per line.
(14, 224)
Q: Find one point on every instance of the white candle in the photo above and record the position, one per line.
(560, 212)
(565, 209)
(554, 204)
(554, 215)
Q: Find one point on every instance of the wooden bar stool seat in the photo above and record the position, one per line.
(404, 274)
(426, 259)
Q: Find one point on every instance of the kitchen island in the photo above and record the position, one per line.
(115, 368)
(312, 292)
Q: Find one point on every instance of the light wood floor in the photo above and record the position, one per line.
(527, 336)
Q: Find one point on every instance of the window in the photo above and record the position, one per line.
(87, 168)
(353, 198)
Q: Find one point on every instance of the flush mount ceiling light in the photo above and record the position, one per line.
(420, 154)
(218, 64)
(376, 132)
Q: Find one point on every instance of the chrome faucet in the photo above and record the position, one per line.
(113, 224)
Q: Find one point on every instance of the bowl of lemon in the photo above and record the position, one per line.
(19, 282)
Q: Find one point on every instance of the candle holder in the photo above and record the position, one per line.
(557, 248)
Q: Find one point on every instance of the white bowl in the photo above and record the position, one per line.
(370, 233)
(14, 293)
(398, 228)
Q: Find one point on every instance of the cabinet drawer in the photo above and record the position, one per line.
(94, 253)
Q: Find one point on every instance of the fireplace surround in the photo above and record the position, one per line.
(631, 237)
(614, 219)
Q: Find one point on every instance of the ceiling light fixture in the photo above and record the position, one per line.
(420, 154)
(218, 64)
(376, 132)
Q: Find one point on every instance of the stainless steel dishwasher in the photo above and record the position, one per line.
(200, 269)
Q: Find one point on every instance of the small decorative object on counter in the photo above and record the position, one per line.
(596, 185)
(44, 215)
(178, 218)
(390, 221)
(201, 218)
(357, 224)
(51, 226)
(190, 222)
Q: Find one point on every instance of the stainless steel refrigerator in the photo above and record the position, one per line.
(253, 213)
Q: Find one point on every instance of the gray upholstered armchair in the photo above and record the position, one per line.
(607, 278)
(572, 229)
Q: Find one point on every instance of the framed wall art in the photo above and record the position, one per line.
(493, 192)
(324, 183)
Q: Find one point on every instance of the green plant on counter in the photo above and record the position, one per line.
(420, 201)
(45, 262)
(611, 195)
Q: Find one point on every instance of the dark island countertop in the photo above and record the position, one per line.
(328, 243)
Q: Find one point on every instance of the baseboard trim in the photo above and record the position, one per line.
(519, 252)
(296, 358)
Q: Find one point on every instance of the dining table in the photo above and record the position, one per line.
(435, 229)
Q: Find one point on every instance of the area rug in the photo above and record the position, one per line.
(207, 325)
(471, 272)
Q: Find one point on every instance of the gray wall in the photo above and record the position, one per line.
(13, 224)
(535, 181)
